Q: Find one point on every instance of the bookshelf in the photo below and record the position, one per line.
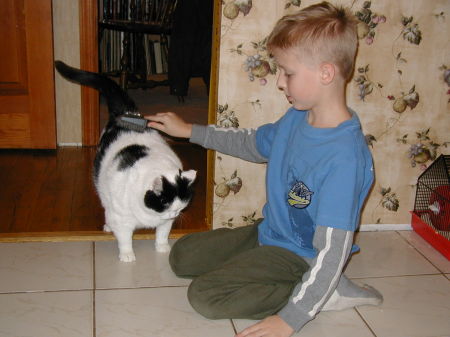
(134, 38)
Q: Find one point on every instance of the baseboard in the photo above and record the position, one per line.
(70, 144)
(143, 234)
(384, 227)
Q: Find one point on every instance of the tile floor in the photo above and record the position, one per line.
(81, 289)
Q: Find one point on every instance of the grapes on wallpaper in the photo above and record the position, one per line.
(368, 21)
(365, 85)
(257, 64)
(446, 77)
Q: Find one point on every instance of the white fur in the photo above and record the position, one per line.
(122, 192)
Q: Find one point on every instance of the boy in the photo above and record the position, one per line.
(288, 267)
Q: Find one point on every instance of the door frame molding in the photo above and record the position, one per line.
(90, 119)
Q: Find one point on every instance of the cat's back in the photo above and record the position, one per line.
(131, 150)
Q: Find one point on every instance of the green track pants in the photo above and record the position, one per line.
(233, 276)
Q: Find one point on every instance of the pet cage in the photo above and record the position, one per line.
(431, 215)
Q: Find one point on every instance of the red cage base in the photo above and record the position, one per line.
(427, 232)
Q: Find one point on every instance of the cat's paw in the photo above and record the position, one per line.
(162, 247)
(107, 229)
(127, 256)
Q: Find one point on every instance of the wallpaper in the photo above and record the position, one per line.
(400, 90)
(66, 41)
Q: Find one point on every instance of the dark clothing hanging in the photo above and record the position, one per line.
(190, 44)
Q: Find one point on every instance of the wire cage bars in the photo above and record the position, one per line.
(431, 215)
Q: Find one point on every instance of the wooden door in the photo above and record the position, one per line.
(27, 99)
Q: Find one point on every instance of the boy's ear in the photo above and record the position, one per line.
(327, 73)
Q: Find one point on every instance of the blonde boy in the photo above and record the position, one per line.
(288, 267)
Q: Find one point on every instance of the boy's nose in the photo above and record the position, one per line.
(281, 84)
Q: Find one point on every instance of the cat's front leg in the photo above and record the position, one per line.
(162, 237)
(124, 238)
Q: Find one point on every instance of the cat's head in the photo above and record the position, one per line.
(169, 195)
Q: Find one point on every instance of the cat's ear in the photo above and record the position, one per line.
(157, 185)
(190, 175)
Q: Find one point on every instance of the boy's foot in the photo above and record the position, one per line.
(348, 295)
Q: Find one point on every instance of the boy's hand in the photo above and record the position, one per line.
(272, 326)
(170, 123)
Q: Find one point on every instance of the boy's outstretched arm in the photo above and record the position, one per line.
(235, 142)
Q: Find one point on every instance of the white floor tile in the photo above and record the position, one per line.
(37, 266)
(386, 254)
(345, 323)
(159, 312)
(436, 258)
(414, 306)
(151, 269)
(49, 314)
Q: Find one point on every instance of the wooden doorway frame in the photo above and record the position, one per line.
(90, 118)
(90, 99)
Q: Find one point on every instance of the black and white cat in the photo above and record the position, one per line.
(137, 175)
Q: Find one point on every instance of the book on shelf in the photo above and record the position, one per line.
(153, 48)
(149, 51)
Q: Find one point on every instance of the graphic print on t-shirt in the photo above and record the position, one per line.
(302, 226)
(299, 196)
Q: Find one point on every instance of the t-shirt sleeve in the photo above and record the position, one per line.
(339, 196)
(265, 135)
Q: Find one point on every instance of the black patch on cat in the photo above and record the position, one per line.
(184, 190)
(109, 136)
(129, 155)
(160, 202)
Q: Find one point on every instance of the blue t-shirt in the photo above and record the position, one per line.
(315, 176)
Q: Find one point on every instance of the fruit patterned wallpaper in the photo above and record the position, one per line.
(400, 90)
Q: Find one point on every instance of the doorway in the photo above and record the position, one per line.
(51, 193)
(160, 53)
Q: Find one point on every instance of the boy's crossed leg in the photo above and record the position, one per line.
(234, 277)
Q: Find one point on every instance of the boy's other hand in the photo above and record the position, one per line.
(272, 326)
(170, 123)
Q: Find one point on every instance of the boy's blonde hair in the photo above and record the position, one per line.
(321, 32)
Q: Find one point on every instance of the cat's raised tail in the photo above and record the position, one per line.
(118, 100)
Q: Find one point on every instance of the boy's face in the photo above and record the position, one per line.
(300, 81)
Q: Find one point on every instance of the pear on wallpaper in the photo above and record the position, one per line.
(399, 105)
(411, 99)
(233, 184)
(231, 9)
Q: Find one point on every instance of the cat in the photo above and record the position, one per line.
(138, 177)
